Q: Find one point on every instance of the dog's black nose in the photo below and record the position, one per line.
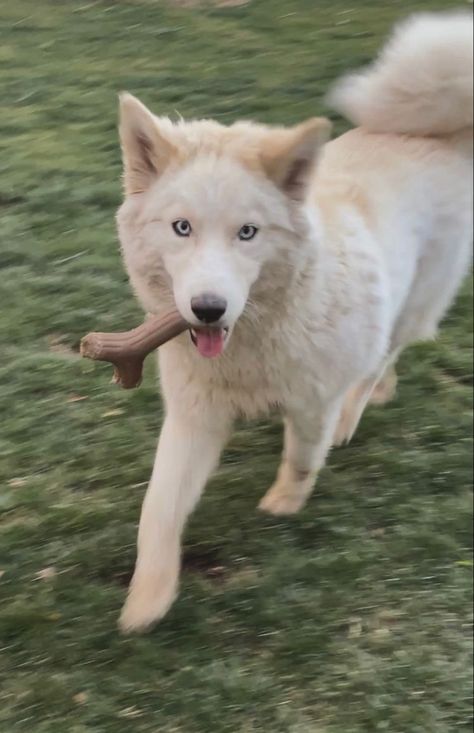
(208, 308)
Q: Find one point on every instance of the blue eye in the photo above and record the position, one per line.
(182, 227)
(247, 232)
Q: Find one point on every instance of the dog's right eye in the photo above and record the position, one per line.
(182, 227)
(247, 232)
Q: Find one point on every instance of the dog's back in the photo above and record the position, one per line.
(407, 168)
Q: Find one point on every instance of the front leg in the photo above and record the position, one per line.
(188, 451)
(308, 437)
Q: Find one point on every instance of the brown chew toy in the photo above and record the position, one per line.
(127, 350)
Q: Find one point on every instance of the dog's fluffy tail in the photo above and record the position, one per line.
(422, 82)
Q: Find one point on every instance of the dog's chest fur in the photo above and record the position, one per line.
(315, 346)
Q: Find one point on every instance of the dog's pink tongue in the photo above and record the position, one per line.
(210, 341)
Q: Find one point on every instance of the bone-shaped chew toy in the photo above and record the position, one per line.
(127, 350)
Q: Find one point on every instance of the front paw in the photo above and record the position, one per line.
(149, 599)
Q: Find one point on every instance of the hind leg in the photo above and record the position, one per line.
(354, 405)
(308, 438)
(440, 271)
(376, 389)
(386, 388)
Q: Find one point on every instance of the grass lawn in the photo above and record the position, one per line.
(352, 617)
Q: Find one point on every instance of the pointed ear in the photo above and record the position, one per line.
(145, 151)
(288, 155)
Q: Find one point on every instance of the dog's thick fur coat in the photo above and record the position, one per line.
(360, 247)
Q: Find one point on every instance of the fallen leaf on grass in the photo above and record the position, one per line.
(55, 616)
(46, 574)
(16, 483)
(76, 398)
(131, 712)
(80, 698)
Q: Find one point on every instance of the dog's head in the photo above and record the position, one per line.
(206, 208)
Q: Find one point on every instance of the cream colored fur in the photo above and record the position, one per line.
(422, 82)
(361, 247)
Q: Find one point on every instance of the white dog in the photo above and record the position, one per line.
(302, 271)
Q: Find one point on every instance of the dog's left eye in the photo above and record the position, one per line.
(248, 231)
(182, 227)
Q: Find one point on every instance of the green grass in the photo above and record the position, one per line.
(354, 616)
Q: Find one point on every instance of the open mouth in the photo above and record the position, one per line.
(209, 342)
